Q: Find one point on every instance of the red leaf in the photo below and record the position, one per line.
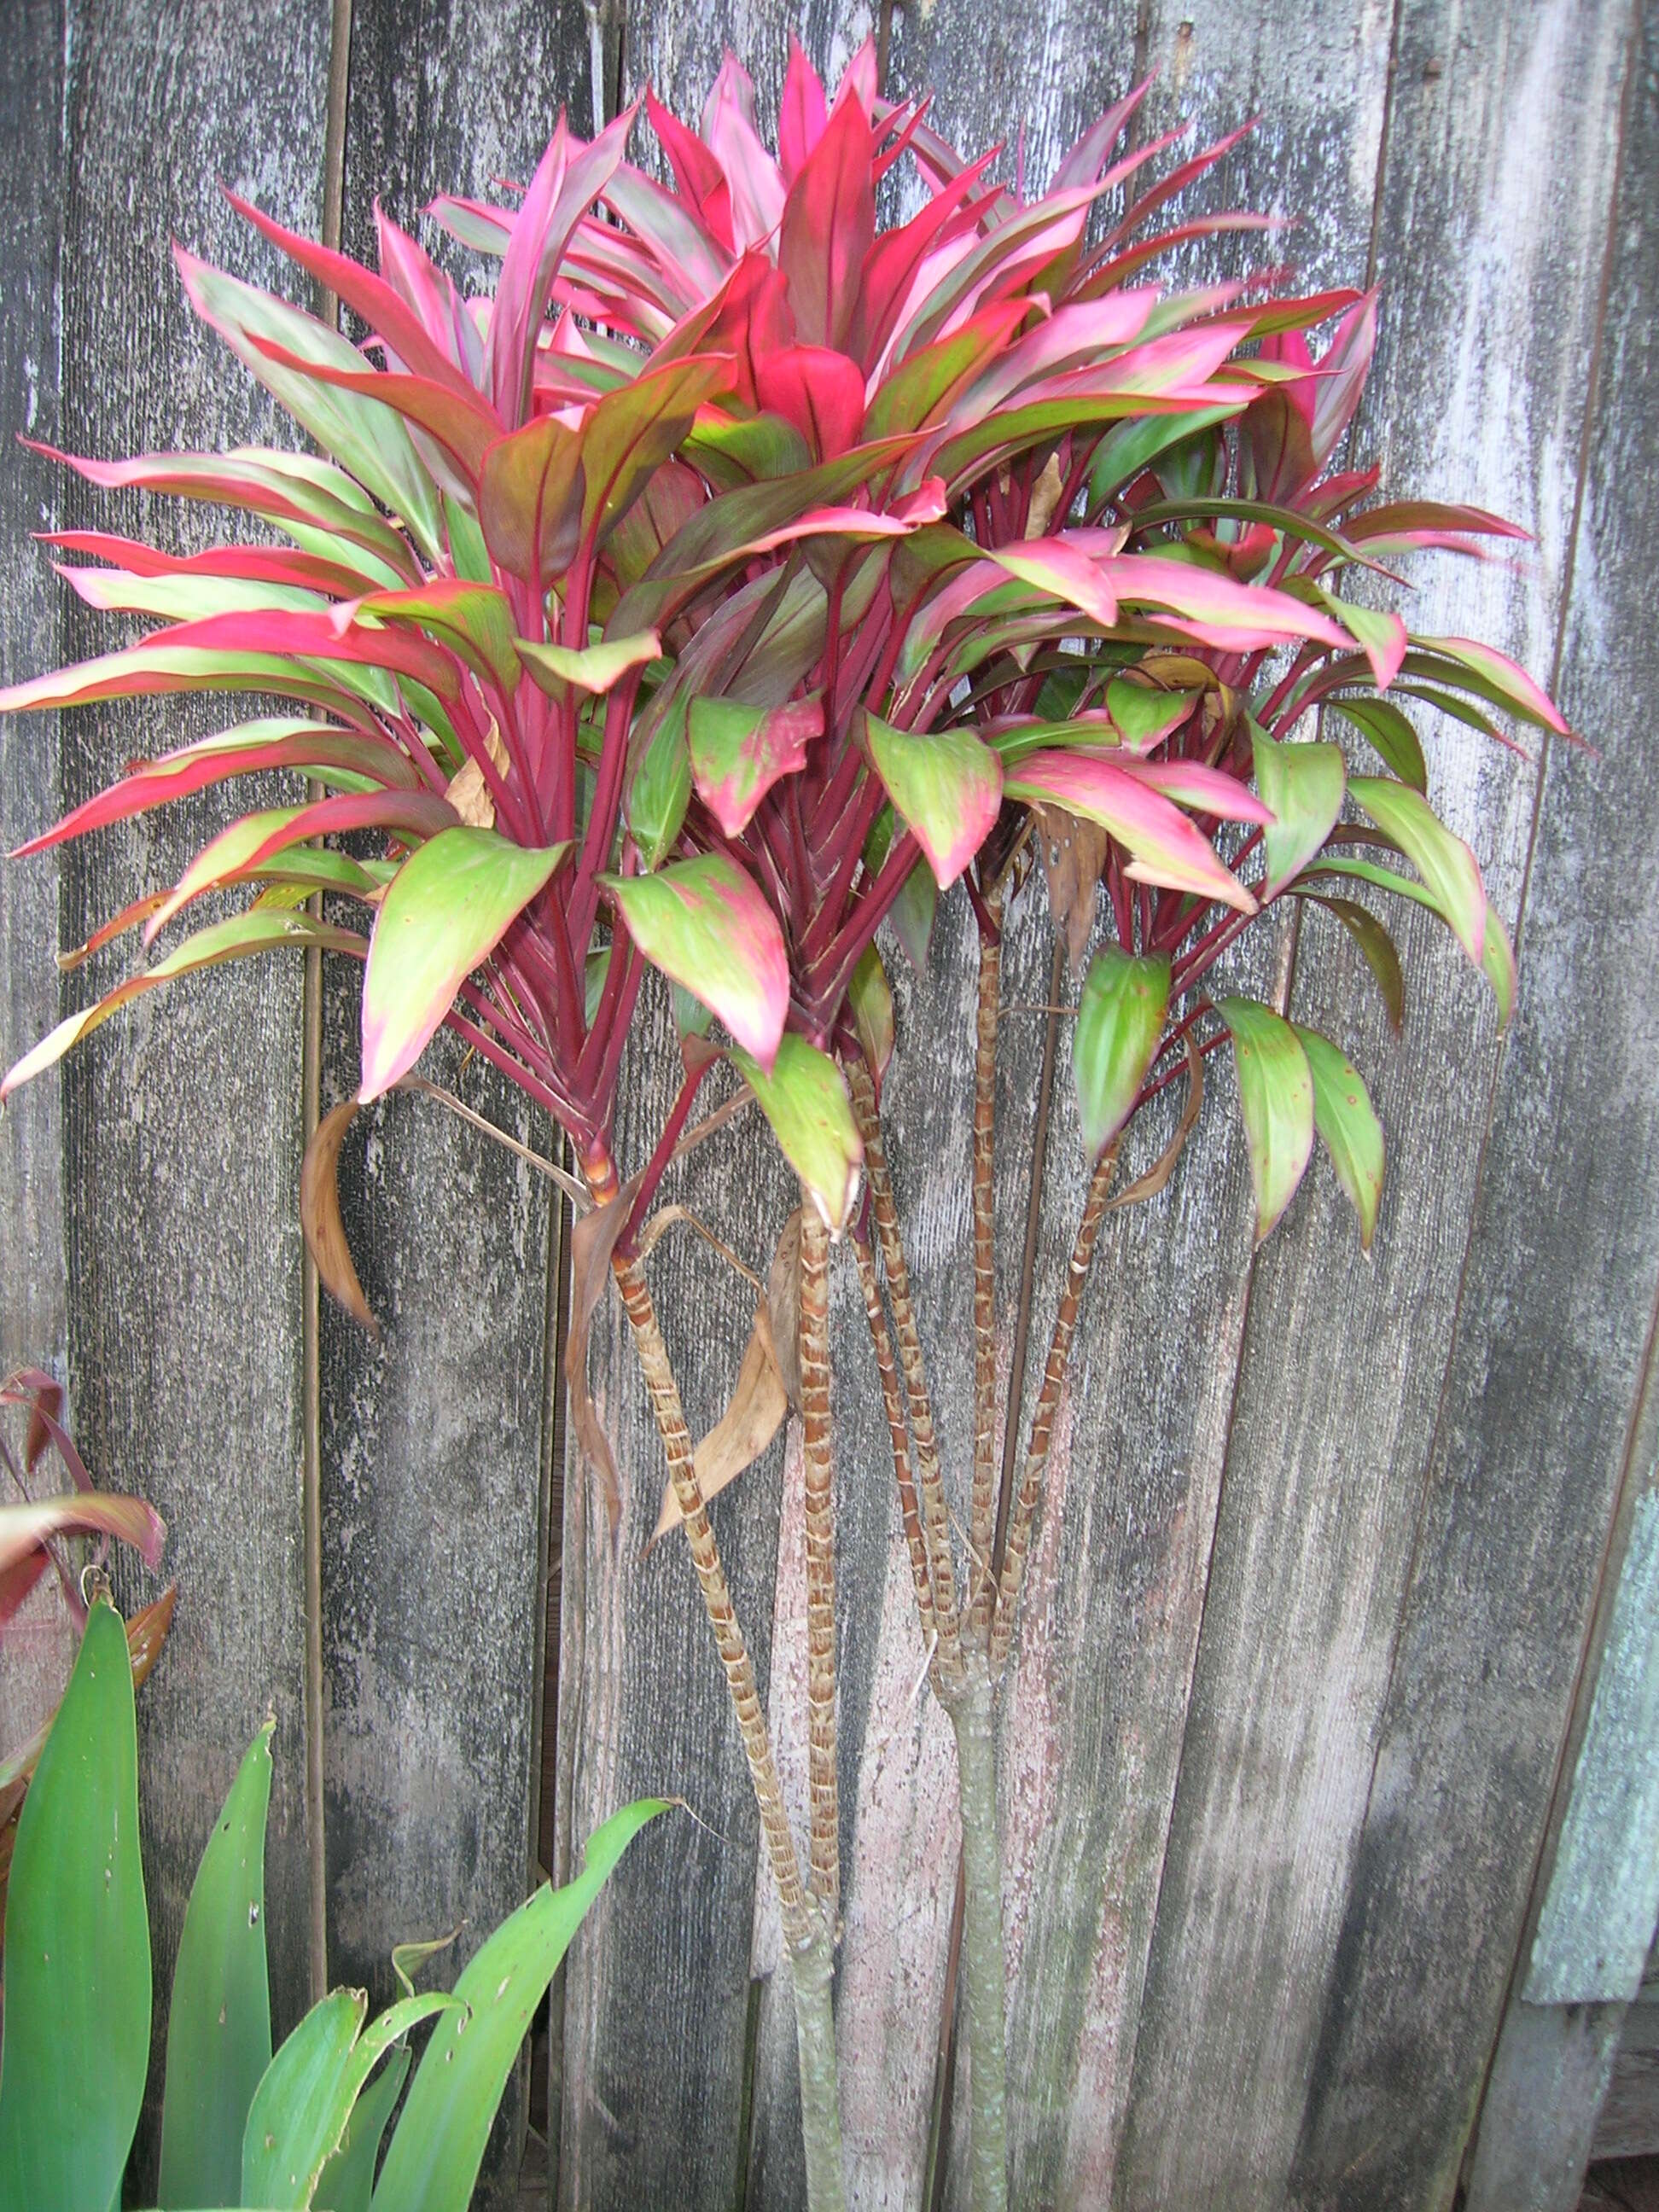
(530, 499)
(829, 226)
(461, 423)
(698, 174)
(804, 111)
(819, 391)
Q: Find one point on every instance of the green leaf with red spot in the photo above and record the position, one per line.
(1120, 1019)
(739, 752)
(1276, 1099)
(945, 786)
(444, 913)
(705, 925)
(1348, 1126)
(804, 1099)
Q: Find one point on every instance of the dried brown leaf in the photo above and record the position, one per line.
(1150, 1184)
(468, 791)
(783, 1306)
(752, 1418)
(1045, 499)
(319, 1214)
(1074, 853)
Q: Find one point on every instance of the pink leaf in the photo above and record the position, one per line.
(1206, 790)
(828, 225)
(804, 113)
(1166, 847)
(819, 391)
(705, 925)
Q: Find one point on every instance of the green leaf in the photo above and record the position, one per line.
(1120, 1019)
(1276, 1098)
(291, 2132)
(1450, 873)
(1302, 786)
(912, 913)
(347, 2179)
(945, 786)
(1498, 963)
(1391, 733)
(806, 1100)
(1142, 715)
(705, 925)
(238, 938)
(77, 2031)
(219, 2022)
(1128, 447)
(870, 999)
(1352, 1134)
(739, 752)
(439, 2142)
(561, 669)
(660, 790)
(1377, 946)
(444, 911)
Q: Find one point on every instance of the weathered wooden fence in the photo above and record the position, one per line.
(1333, 1546)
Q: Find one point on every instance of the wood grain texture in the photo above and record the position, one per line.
(38, 1648)
(656, 1992)
(182, 1132)
(434, 1456)
(1324, 1477)
(1549, 2076)
(1627, 2126)
(1533, 1438)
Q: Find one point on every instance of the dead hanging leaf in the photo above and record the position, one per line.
(752, 1418)
(1150, 1184)
(319, 1214)
(1045, 499)
(1074, 853)
(664, 1218)
(592, 1241)
(783, 1306)
(468, 791)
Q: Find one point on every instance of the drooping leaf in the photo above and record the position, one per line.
(444, 913)
(31, 1523)
(1511, 683)
(946, 787)
(1164, 845)
(1065, 572)
(804, 1099)
(74, 2047)
(1276, 1099)
(739, 752)
(705, 925)
(1392, 734)
(870, 1001)
(1450, 871)
(1303, 785)
(238, 939)
(439, 2141)
(659, 790)
(347, 2182)
(1120, 1019)
(1349, 1128)
(1144, 714)
(1378, 948)
(753, 1416)
(219, 2021)
(561, 669)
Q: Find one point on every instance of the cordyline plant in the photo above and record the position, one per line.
(737, 578)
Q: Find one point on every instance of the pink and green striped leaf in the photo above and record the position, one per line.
(532, 488)
(1164, 846)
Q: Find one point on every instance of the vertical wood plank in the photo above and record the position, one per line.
(656, 1992)
(1492, 213)
(182, 1126)
(1564, 1264)
(434, 1456)
(35, 1658)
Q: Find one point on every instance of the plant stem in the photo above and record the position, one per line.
(1047, 1405)
(969, 1704)
(936, 1516)
(982, 1513)
(810, 1970)
(820, 1556)
(806, 1937)
(893, 1404)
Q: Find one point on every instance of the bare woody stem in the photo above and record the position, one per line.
(825, 1866)
(982, 1517)
(1030, 1494)
(893, 1406)
(799, 1921)
(808, 1940)
(936, 1517)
